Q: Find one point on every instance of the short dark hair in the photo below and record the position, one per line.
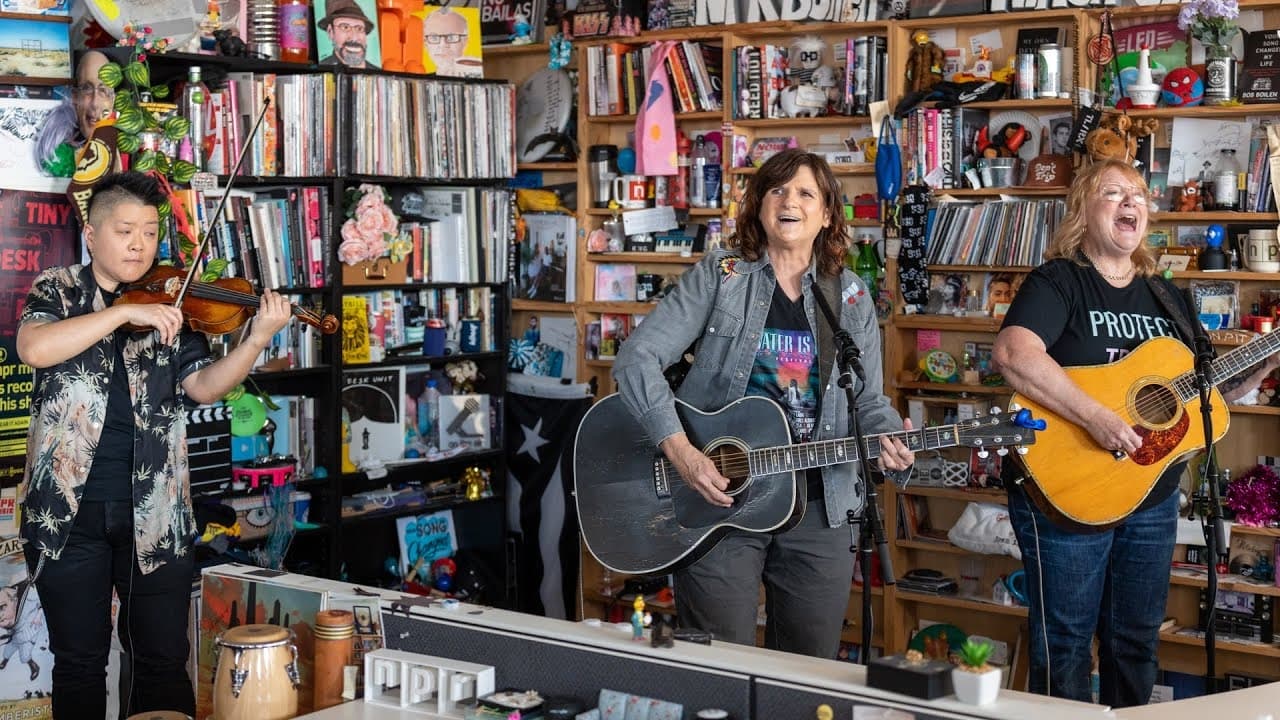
(117, 188)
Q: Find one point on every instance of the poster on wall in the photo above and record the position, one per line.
(36, 232)
(26, 664)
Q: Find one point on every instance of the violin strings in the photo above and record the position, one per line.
(208, 292)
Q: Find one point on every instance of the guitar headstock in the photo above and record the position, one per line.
(999, 430)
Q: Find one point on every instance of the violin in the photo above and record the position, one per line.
(214, 308)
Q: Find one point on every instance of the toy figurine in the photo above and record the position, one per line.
(400, 35)
(561, 47)
(637, 618)
(521, 30)
(924, 63)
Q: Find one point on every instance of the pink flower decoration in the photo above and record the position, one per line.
(371, 201)
(353, 252)
(370, 226)
(350, 233)
(390, 224)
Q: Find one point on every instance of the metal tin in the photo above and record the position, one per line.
(1048, 70)
(1026, 74)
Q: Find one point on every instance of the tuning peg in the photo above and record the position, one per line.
(1023, 419)
(995, 410)
(1022, 450)
(982, 454)
(1002, 452)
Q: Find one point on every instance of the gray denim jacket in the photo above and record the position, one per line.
(724, 300)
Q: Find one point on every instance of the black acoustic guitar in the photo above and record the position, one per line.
(639, 517)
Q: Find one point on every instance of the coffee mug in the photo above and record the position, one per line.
(631, 191)
(1263, 252)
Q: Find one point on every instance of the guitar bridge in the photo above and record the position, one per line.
(661, 485)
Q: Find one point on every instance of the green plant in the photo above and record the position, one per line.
(139, 119)
(974, 654)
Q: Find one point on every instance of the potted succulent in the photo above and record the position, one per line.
(975, 682)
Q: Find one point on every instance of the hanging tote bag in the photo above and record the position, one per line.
(656, 121)
(888, 163)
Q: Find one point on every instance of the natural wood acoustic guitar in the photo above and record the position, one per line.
(1082, 486)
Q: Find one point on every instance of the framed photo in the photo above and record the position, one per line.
(35, 49)
(1217, 303)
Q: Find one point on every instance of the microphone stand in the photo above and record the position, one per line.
(870, 525)
(1214, 532)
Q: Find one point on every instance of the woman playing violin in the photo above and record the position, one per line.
(105, 501)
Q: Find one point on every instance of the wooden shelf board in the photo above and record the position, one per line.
(933, 267)
(630, 119)
(1239, 529)
(956, 388)
(626, 308)
(975, 495)
(856, 169)
(933, 546)
(1233, 583)
(508, 50)
(1254, 410)
(1226, 275)
(708, 212)
(1014, 19)
(549, 166)
(598, 363)
(541, 306)
(994, 191)
(792, 28)
(947, 322)
(1207, 111)
(959, 602)
(876, 590)
(1222, 644)
(644, 257)
(1200, 218)
(826, 120)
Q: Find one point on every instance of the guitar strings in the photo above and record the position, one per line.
(739, 466)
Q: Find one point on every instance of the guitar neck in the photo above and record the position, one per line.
(822, 453)
(1231, 364)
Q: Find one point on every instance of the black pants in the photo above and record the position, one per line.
(76, 589)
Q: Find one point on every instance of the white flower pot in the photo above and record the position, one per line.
(976, 688)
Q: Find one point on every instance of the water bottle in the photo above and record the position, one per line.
(698, 174)
(711, 174)
(867, 265)
(195, 105)
(429, 414)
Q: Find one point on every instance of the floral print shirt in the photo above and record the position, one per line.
(68, 407)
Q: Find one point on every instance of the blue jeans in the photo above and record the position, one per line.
(76, 590)
(1113, 583)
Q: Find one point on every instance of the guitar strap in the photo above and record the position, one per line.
(829, 288)
(1174, 309)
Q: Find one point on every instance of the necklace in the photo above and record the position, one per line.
(1113, 278)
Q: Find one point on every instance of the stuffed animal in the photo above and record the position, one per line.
(1117, 137)
(1004, 143)
(1189, 200)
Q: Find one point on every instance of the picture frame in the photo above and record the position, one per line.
(1217, 303)
(35, 49)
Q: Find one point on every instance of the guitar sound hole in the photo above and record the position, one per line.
(1156, 405)
(732, 463)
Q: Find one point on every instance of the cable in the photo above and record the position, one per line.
(1044, 623)
(126, 702)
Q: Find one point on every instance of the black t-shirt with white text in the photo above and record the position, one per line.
(1084, 320)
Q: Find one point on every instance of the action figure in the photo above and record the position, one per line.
(637, 619)
(521, 30)
(924, 63)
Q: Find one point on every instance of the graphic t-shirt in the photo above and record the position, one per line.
(786, 371)
(1083, 320)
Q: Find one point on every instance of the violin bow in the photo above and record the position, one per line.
(222, 204)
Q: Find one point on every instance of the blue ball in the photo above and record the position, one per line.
(1214, 235)
(626, 161)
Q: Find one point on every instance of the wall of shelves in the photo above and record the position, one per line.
(899, 612)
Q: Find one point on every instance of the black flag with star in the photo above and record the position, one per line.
(541, 423)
